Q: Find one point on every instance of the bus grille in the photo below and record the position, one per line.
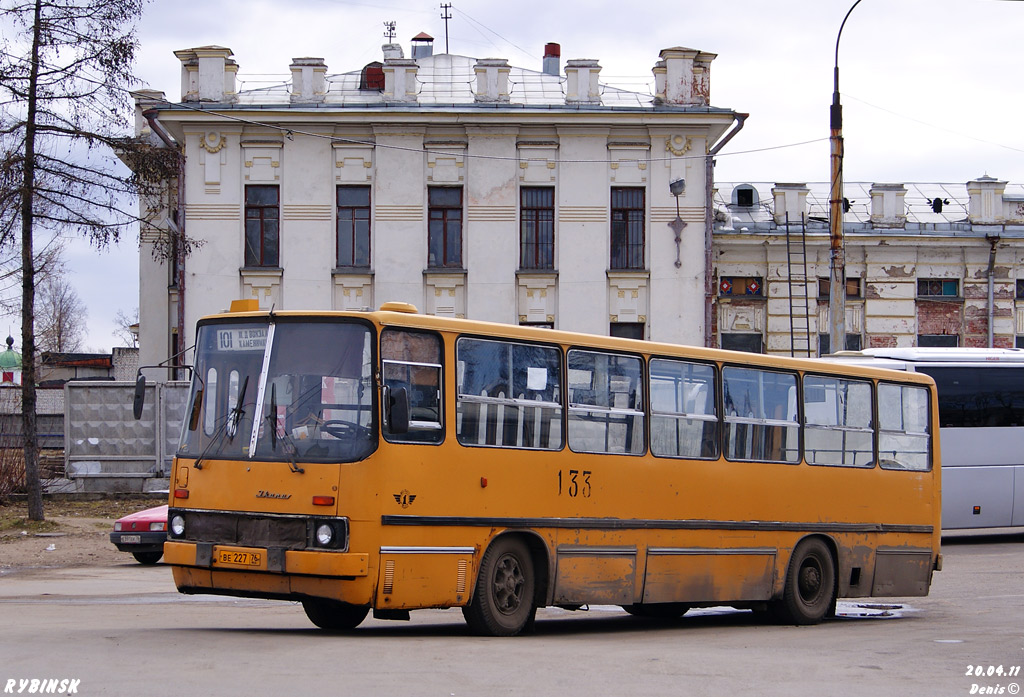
(246, 529)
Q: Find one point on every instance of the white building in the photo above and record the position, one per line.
(465, 186)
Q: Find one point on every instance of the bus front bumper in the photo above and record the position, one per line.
(254, 559)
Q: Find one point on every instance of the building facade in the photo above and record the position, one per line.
(926, 265)
(468, 187)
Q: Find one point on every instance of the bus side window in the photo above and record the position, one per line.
(837, 422)
(412, 360)
(759, 423)
(684, 420)
(509, 394)
(605, 403)
(904, 441)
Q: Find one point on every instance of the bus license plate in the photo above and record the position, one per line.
(131, 539)
(236, 558)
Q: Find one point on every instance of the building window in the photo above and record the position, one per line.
(745, 196)
(740, 285)
(627, 330)
(853, 343)
(354, 226)
(1020, 289)
(627, 228)
(852, 288)
(537, 228)
(751, 343)
(444, 243)
(938, 288)
(938, 340)
(262, 225)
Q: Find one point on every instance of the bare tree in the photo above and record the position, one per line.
(65, 66)
(60, 316)
(127, 327)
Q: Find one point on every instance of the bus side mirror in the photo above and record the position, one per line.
(397, 409)
(139, 400)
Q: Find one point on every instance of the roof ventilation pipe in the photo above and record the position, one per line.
(552, 59)
(422, 45)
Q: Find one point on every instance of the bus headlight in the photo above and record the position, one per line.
(177, 525)
(324, 535)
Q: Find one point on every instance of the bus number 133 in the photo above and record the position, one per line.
(577, 483)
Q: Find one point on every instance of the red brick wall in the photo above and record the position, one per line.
(940, 317)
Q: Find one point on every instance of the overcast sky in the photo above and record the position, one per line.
(931, 89)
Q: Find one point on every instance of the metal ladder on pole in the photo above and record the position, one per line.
(799, 301)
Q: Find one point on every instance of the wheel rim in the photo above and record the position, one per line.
(507, 588)
(809, 582)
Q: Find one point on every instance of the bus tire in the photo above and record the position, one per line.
(503, 600)
(810, 584)
(660, 611)
(332, 614)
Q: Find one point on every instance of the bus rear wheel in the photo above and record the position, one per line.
(810, 584)
(332, 614)
(503, 600)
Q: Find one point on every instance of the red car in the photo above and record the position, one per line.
(142, 534)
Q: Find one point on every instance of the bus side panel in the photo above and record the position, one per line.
(978, 491)
(595, 574)
(700, 575)
(902, 571)
(436, 578)
(599, 575)
(977, 497)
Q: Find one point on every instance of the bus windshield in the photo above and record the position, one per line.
(282, 391)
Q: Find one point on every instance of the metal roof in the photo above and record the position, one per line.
(446, 79)
(918, 203)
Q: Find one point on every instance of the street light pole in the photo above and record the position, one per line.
(837, 266)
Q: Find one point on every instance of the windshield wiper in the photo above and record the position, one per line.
(289, 444)
(234, 417)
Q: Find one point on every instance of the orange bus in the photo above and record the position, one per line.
(390, 461)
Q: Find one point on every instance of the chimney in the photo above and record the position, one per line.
(392, 51)
(683, 77)
(422, 46)
(986, 202)
(309, 80)
(888, 207)
(790, 199)
(552, 59)
(581, 81)
(207, 74)
(400, 83)
(491, 80)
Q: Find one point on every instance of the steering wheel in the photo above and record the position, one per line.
(344, 430)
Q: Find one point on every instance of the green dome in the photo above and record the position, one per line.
(10, 359)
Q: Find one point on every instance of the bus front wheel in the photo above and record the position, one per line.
(810, 584)
(331, 614)
(503, 600)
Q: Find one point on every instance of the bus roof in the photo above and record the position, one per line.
(933, 355)
(406, 315)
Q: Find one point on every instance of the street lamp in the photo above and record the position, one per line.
(676, 187)
(837, 266)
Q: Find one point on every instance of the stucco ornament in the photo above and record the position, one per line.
(678, 145)
(213, 142)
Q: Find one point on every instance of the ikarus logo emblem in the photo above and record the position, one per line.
(404, 498)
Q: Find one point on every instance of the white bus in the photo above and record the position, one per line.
(981, 414)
